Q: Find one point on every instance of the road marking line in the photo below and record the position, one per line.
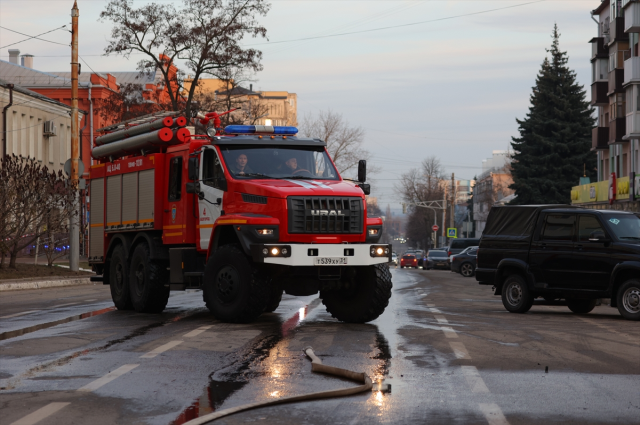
(92, 386)
(197, 332)
(166, 347)
(460, 350)
(493, 414)
(474, 380)
(64, 305)
(449, 332)
(19, 314)
(609, 329)
(441, 319)
(435, 310)
(40, 414)
(90, 300)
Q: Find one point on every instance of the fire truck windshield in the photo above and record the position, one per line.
(278, 162)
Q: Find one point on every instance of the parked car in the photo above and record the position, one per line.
(437, 259)
(394, 259)
(408, 260)
(465, 262)
(459, 245)
(562, 252)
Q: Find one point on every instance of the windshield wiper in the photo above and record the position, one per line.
(300, 178)
(260, 175)
(630, 237)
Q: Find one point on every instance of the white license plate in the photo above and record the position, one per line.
(330, 261)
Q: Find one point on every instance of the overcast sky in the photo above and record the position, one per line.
(449, 88)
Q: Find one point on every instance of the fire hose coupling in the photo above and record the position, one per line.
(276, 251)
(380, 251)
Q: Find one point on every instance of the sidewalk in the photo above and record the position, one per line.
(39, 282)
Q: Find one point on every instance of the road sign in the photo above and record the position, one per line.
(435, 227)
(67, 167)
(452, 232)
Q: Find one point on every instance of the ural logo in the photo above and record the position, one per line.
(204, 211)
(327, 212)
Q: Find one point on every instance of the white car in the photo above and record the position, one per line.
(394, 259)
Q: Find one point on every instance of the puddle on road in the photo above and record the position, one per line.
(219, 390)
(24, 331)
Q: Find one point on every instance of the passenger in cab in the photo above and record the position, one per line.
(241, 167)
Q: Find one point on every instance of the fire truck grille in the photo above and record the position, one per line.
(325, 214)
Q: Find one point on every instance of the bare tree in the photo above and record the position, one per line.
(35, 196)
(204, 34)
(426, 183)
(344, 142)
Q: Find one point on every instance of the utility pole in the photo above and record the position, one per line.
(453, 201)
(444, 214)
(74, 232)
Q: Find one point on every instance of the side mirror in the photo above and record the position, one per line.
(366, 188)
(222, 183)
(193, 187)
(362, 171)
(193, 169)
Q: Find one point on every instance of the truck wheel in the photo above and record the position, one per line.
(365, 300)
(516, 297)
(467, 269)
(119, 279)
(147, 282)
(275, 296)
(581, 306)
(628, 298)
(234, 290)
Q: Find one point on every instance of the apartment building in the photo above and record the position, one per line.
(491, 187)
(34, 126)
(615, 94)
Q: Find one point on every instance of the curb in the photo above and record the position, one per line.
(30, 284)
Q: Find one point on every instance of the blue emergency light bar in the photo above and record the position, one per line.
(253, 129)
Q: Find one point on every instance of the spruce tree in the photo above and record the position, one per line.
(555, 136)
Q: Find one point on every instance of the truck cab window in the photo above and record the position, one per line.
(212, 171)
(559, 227)
(588, 227)
(175, 178)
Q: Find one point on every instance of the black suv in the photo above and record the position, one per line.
(561, 252)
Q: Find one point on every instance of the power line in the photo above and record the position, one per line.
(33, 36)
(399, 26)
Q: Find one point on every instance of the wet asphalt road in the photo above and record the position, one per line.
(450, 351)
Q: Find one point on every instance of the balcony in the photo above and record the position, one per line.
(617, 130)
(599, 93)
(615, 81)
(631, 71)
(599, 50)
(632, 17)
(616, 31)
(599, 138)
(633, 125)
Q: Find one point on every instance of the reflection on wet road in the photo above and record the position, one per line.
(449, 351)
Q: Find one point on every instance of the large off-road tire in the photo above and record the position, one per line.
(147, 282)
(234, 290)
(628, 298)
(516, 296)
(275, 296)
(467, 269)
(581, 306)
(365, 299)
(118, 275)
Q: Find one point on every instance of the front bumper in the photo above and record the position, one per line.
(305, 254)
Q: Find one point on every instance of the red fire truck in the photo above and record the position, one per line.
(243, 213)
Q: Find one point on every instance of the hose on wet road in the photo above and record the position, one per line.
(316, 366)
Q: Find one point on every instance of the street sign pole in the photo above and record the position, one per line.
(74, 231)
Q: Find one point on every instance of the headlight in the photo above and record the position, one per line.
(379, 251)
(276, 251)
(211, 131)
(373, 232)
(265, 231)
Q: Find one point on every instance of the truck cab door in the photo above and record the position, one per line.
(213, 186)
(174, 228)
(595, 259)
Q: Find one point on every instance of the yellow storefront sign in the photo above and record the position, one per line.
(599, 192)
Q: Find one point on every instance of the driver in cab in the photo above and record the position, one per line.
(241, 168)
(291, 165)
